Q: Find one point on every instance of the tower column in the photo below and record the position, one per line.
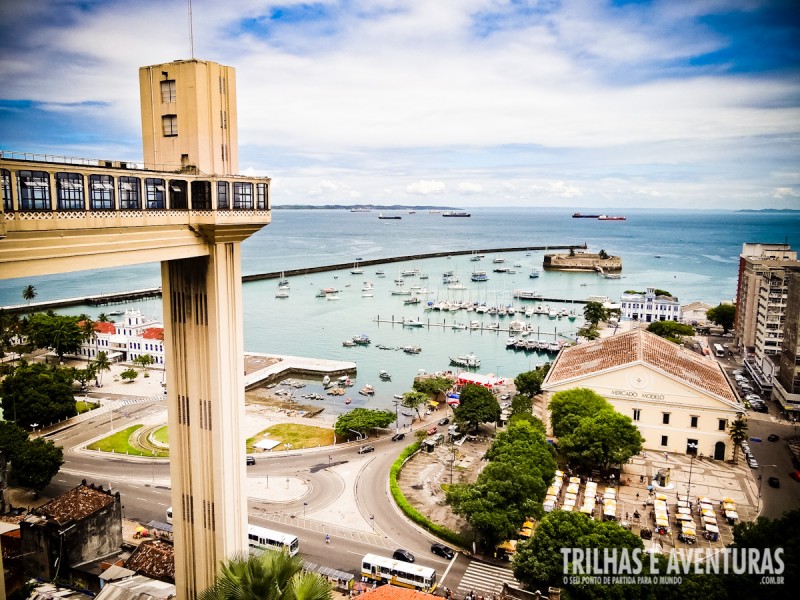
(204, 350)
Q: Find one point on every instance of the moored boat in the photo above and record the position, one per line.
(469, 361)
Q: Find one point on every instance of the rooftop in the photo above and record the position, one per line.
(76, 504)
(154, 558)
(641, 347)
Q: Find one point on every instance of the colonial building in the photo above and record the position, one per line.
(648, 307)
(79, 526)
(678, 399)
(694, 313)
(132, 337)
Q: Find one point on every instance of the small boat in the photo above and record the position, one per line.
(498, 261)
(282, 280)
(380, 273)
(458, 327)
(281, 294)
(412, 300)
(326, 380)
(348, 343)
(392, 217)
(356, 270)
(384, 376)
(413, 322)
(367, 390)
(453, 213)
(456, 286)
(401, 292)
(362, 340)
(607, 218)
(469, 361)
(412, 349)
(332, 297)
(367, 295)
(534, 274)
(348, 400)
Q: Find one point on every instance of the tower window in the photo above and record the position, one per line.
(168, 90)
(69, 187)
(169, 123)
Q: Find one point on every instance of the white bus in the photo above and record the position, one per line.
(719, 350)
(397, 572)
(169, 515)
(260, 538)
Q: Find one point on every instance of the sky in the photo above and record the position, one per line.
(467, 103)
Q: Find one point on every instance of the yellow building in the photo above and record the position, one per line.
(678, 399)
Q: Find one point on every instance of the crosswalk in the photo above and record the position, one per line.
(484, 579)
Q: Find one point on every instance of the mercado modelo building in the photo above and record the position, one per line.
(678, 399)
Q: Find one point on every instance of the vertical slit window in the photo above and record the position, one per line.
(261, 196)
(102, 192)
(69, 191)
(130, 193)
(242, 195)
(154, 189)
(168, 90)
(178, 198)
(169, 124)
(222, 195)
(5, 176)
(34, 190)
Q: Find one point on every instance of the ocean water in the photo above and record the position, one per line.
(692, 254)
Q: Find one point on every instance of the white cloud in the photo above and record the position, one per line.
(468, 187)
(426, 187)
(785, 193)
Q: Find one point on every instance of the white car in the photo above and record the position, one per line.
(752, 463)
(753, 397)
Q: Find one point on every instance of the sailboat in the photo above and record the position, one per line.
(282, 280)
(356, 270)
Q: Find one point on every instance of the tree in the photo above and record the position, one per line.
(529, 383)
(12, 438)
(603, 254)
(38, 393)
(569, 406)
(602, 440)
(362, 420)
(59, 332)
(102, 318)
(101, 364)
(477, 405)
(129, 375)
(271, 575)
(433, 386)
(10, 328)
(671, 330)
(738, 432)
(723, 315)
(414, 400)
(84, 376)
(590, 332)
(36, 462)
(594, 312)
(28, 293)
(144, 361)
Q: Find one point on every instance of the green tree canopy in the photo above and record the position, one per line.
(601, 440)
(270, 575)
(28, 293)
(594, 312)
(35, 463)
(539, 562)
(723, 315)
(738, 432)
(433, 386)
(362, 420)
(671, 330)
(477, 405)
(529, 383)
(12, 438)
(414, 400)
(569, 406)
(101, 364)
(38, 393)
(59, 332)
(129, 375)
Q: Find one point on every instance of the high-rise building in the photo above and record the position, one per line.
(786, 386)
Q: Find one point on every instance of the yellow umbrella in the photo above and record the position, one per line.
(727, 500)
(661, 497)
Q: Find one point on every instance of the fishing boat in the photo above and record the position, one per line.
(534, 274)
(412, 300)
(469, 361)
(412, 349)
(348, 400)
(413, 322)
(380, 273)
(458, 327)
(367, 390)
(362, 340)
(326, 380)
(384, 376)
(479, 276)
(389, 217)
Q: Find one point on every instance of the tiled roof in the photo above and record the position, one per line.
(105, 327)
(391, 592)
(640, 346)
(78, 503)
(153, 333)
(154, 558)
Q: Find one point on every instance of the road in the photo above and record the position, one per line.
(347, 496)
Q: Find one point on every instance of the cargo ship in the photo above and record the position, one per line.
(607, 218)
(578, 215)
(456, 214)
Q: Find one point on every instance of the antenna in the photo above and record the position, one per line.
(191, 32)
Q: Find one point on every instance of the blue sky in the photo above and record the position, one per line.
(677, 104)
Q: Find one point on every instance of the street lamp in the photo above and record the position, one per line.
(692, 448)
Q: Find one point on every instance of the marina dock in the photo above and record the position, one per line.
(266, 368)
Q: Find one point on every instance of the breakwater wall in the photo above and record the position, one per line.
(130, 296)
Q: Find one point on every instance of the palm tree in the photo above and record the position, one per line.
(738, 433)
(101, 364)
(29, 293)
(271, 575)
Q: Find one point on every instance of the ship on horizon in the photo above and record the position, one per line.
(454, 213)
(607, 218)
(578, 215)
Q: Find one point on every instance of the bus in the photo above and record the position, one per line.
(261, 538)
(397, 572)
(719, 350)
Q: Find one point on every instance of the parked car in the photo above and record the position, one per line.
(365, 449)
(752, 463)
(444, 421)
(773, 437)
(398, 436)
(738, 372)
(774, 482)
(403, 555)
(249, 460)
(433, 430)
(762, 408)
(753, 398)
(442, 550)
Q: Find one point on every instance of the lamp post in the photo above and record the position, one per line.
(693, 451)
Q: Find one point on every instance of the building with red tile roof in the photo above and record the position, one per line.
(677, 398)
(134, 336)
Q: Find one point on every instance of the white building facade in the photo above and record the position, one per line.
(134, 336)
(649, 307)
(678, 399)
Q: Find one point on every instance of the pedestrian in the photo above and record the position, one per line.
(641, 479)
(644, 455)
(666, 456)
(637, 496)
(626, 516)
